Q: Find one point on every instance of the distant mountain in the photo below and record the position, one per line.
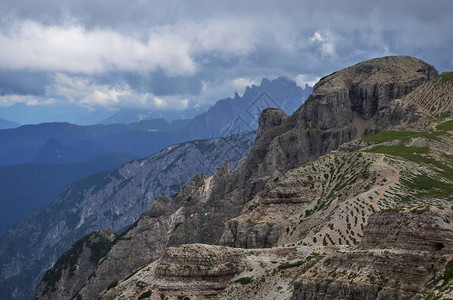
(68, 143)
(240, 114)
(125, 116)
(108, 199)
(26, 188)
(232, 115)
(5, 124)
(36, 114)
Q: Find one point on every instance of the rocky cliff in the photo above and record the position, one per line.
(77, 263)
(110, 199)
(307, 204)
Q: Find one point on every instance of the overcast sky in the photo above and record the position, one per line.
(179, 55)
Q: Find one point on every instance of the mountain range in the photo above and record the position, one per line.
(112, 199)
(41, 160)
(347, 198)
(69, 143)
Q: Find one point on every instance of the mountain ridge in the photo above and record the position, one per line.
(260, 200)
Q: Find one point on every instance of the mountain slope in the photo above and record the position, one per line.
(26, 188)
(68, 143)
(261, 206)
(372, 220)
(5, 124)
(109, 199)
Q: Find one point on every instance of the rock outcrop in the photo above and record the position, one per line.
(397, 258)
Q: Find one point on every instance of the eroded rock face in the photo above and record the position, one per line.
(421, 229)
(201, 269)
(341, 108)
(143, 243)
(250, 234)
(71, 271)
(400, 253)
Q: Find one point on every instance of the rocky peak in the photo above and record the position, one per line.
(343, 106)
(363, 88)
(269, 118)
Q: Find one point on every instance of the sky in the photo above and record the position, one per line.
(78, 60)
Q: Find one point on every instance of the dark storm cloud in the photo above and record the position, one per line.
(141, 49)
(23, 83)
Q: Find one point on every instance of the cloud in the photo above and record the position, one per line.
(170, 48)
(8, 100)
(23, 82)
(87, 93)
(303, 79)
(175, 54)
(327, 47)
(72, 48)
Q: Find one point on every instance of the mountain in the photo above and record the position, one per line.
(230, 115)
(108, 199)
(68, 143)
(234, 115)
(26, 188)
(5, 124)
(58, 112)
(347, 198)
(126, 116)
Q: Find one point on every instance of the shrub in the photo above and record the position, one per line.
(244, 280)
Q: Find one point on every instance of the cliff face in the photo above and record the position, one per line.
(110, 199)
(329, 118)
(384, 267)
(306, 209)
(69, 273)
(343, 106)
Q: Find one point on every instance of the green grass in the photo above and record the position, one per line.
(415, 154)
(244, 280)
(445, 126)
(448, 274)
(447, 76)
(428, 186)
(409, 153)
(387, 136)
(145, 295)
(291, 265)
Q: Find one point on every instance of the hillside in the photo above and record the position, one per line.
(113, 199)
(5, 124)
(342, 199)
(28, 187)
